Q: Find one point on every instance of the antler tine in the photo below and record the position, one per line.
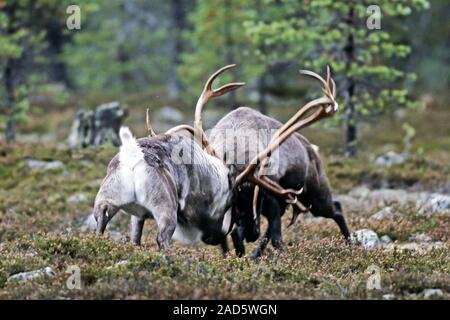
(207, 93)
(293, 125)
(150, 130)
(330, 80)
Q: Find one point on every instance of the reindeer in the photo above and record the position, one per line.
(170, 178)
(298, 162)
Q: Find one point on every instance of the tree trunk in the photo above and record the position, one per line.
(8, 76)
(350, 112)
(10, 101)
(262, 103)
(177, 24)
(229, 52)
(57, 68)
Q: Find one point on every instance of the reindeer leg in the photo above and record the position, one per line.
(272, 210)
(338, 217)
(166, 228)
(224, 246)
(137, 225)
(262, 244)
(237, 235)
(275, 232)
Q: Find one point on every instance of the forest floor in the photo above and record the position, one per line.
(44, 209)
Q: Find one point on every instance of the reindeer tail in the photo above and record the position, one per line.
(130, 151)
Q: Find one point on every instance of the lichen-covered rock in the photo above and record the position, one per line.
(40, 165)
(435, 203)
(99, 127)
(386, 239)
(367, 238)
(415, 247)
(432, 293)
(30, 275)
(391, 158)
(420, 237)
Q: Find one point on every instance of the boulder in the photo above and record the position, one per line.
(367, 238)
(414, 247)
(41, 165)
(30, 275)
(432, 293)
(435, 203)
(386, 239)
(95, 128)
(391, 158)
(420, 237)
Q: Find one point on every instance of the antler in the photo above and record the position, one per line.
(181, 127)
(325, 107)
(207, 93)
(151, 132)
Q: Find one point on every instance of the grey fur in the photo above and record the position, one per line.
(299, 165)
(188, 195)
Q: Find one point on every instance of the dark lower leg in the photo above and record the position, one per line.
(340, 220)
(262, 245)
(238, 241)
(224, 245)
(275, 232)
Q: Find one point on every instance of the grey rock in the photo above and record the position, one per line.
(384, 197)
(432, 293)
(367, 238)
(391, 158)
(389, 296)
(26, 276)
(420, 237)
(414, 247)
(435, 203)
(40, 165)
(386, 239)
(386, 213)
(88, 224)
(101, 126)
(78, 197)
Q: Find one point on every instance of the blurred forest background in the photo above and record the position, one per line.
(386, 152)
(159, 53)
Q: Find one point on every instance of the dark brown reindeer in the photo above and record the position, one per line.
(168, 177)
(297, 165)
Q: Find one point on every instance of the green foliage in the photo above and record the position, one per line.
(218, 38)
(17, 39)
(315, 33)
(121, 46)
